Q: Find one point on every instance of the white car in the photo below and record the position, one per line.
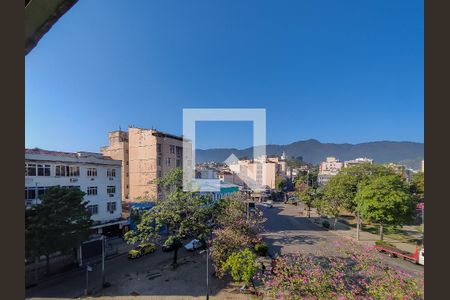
(268, 205)
(193, 245)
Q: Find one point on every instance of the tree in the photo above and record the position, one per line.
(280, 182)
(341, 190)
(234, 231)
(60, 223)
(385, 200)
(306, 194)
(302, 177)
(417, 186)
(242, 266)
(183, 213)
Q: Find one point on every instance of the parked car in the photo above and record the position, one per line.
(266, 204)
(193, 245)
(141, 250)
(292, 200)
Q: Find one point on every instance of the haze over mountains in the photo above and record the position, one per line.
(313, 151)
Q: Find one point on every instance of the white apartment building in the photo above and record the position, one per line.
(327, 169)
(97, 175)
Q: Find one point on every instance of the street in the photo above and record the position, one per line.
(289, 232)
(286, 232)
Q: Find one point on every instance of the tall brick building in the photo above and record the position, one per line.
(146, 154)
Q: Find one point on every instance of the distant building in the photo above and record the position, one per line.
(206, 173)
(97, 175)
(281, 168)
(260, 172)
(358, 161)
(329, 168)
(397, 168)
(422, 166)
(401, 170)
(229, 177)
(226, 190)
(146, 155)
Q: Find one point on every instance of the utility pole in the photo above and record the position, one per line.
(88, 269)
(207, 272)
(103, 260)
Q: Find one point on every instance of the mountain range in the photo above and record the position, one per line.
(408, 153)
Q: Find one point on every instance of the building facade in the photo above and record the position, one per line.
(96, 175)
(260, 172)
(147, 155)
(329, 168)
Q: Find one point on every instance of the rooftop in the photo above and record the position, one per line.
(38, 151)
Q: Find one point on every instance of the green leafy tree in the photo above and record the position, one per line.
(306, 194)
(280, 182)
(60, 223)
(418, 186)
(341, 189)
(301, 178)
(242, 266)
(183, 213)
(385, 200)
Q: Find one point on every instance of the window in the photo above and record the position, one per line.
(42, 170)
(42, 190)
(67, 171)
(30, 193)
(30, 169)
(92, 190)
(74, 171)
(75, 187)
(111, 172)
(159, 174)
(178, 162)
(172, 149)
(158, 161)
(92, 209)
(91, 172)
(111, 206)
(179, 151)
(111, 189)
(158, 148)
(60, 171)
(168, 161)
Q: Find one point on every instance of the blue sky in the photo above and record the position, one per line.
(337, 71)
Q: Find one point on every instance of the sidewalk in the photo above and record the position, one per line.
(364, 236)
(114, 247)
